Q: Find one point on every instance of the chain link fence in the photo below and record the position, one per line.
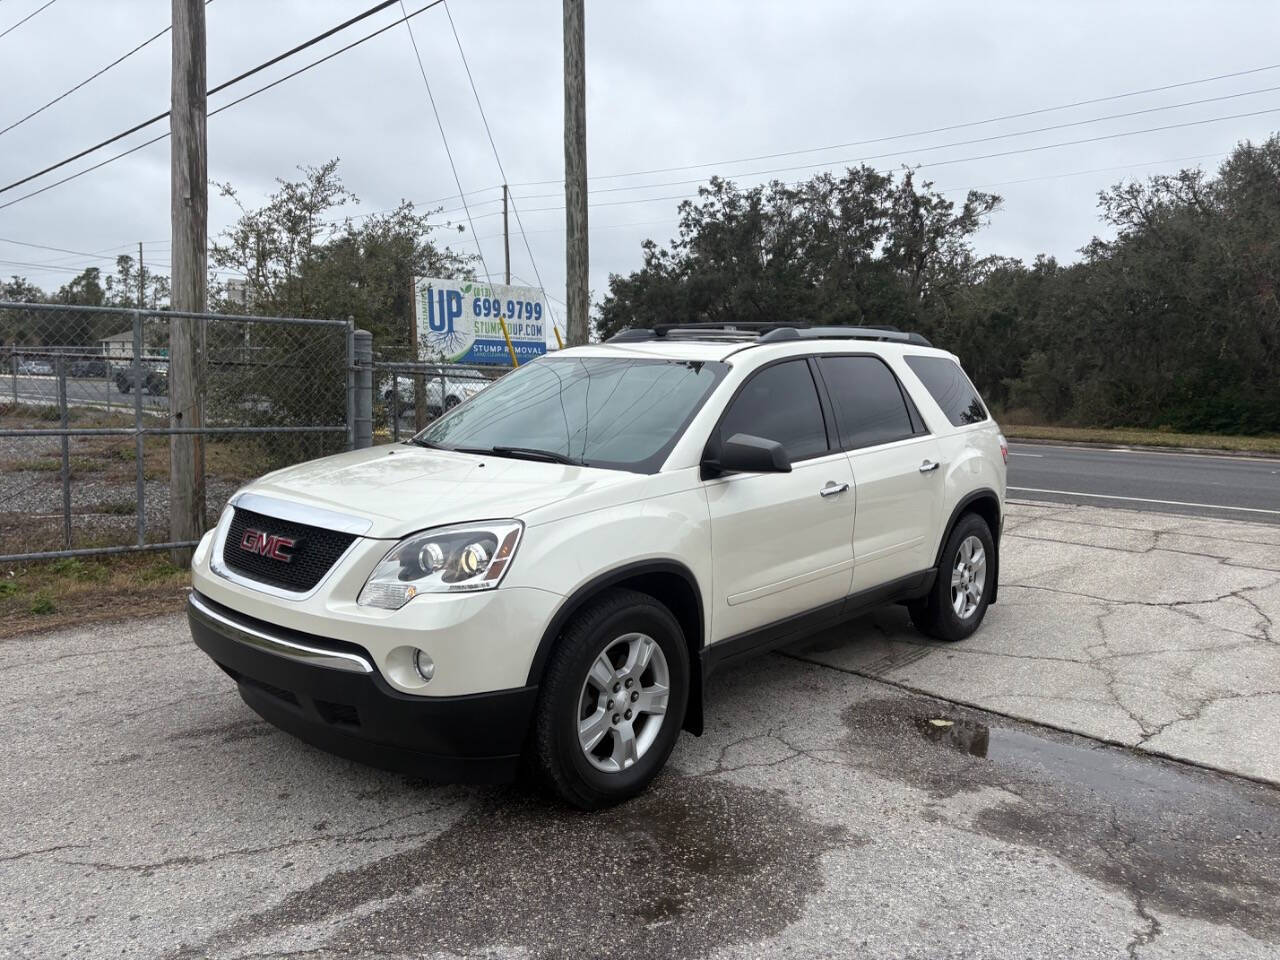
(408, 394)
(85, 417)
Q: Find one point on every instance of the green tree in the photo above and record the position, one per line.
(862, 248)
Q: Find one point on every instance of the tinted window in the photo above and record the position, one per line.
(598, 411)
(948, 385)
(868, 401)
(780, 403)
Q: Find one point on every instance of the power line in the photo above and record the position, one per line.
(157, 139)
(440, 124)
(493, 146)
(220, 87)
(938, 163)
(941, 146)
(902, 136)
(28, 17)
(114, 63)
(919, 133)
(41, 246)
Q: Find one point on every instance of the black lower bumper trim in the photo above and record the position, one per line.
(471, 739)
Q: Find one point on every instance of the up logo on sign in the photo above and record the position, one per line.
(444, 307)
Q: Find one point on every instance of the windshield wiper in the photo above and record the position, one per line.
(523, 453)
(533, 453)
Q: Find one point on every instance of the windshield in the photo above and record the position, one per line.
(595, 411)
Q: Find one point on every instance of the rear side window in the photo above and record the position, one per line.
(780, 403)
(949, 386)
(870, 408)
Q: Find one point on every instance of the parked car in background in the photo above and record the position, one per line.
(88, 367)
(456, 389)
(155, 380)
(35, 368)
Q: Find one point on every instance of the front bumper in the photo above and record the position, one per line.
(330, 694)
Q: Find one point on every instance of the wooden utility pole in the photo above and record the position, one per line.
(575, 172)
(142, 282)
(506, 236)
(189, 206)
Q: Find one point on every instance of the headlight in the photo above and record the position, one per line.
(457, 559)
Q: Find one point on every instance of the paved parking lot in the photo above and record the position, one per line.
(826, 812)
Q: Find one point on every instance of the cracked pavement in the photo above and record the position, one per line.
(1148, 630)
(147, 812)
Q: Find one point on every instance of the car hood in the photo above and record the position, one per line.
(403, 488)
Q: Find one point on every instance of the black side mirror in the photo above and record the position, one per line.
(744, 453)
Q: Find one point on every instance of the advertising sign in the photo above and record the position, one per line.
(458, 320)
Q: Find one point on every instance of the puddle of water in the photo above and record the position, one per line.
(966, 736)
(1174, 839)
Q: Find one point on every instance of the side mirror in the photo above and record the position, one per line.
(744, 453)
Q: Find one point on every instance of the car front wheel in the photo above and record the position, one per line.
(612, 700)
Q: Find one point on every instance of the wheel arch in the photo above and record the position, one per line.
(670, 583)
(986, 504)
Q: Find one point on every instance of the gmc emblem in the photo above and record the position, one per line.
(268, 545)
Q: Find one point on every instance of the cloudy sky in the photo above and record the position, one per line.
(690, 88)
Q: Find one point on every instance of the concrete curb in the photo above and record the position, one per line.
(1146, 448)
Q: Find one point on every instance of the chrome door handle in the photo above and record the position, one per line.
(831, 489)
(929, 465)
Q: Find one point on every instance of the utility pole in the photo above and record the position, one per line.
(142, 281)
(506, 235)
(575, 172)
(189, 206)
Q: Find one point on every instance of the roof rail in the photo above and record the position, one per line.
(763, 332)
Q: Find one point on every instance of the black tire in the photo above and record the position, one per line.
(556, 757)
(123, 385)
(451, 402)
(935, 615)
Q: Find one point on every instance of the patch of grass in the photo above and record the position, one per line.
(161, 570)
(73, 591)
(120, 508)
(1142, 437)
(40, 466)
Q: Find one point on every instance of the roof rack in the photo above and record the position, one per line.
(761, 332)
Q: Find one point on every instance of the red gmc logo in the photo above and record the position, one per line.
(268, 545)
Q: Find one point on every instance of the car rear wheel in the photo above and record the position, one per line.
(612, 700)
(956, 605)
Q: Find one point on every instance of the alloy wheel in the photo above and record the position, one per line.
(968, 577)
(623, 702)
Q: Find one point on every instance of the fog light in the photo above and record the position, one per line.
(424, 665)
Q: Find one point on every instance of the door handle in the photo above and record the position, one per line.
(832, 488)
(929, 465)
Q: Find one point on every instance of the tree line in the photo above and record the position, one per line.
(1171, 322)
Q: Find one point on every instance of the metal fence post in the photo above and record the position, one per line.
(13, 363)
(394, 406)
(352, 394)
(363, 368)
(66, 452)
(138, 447)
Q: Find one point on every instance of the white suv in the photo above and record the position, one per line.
(552, 571)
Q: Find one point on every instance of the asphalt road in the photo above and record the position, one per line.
(1243, 488)
(80, 392)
